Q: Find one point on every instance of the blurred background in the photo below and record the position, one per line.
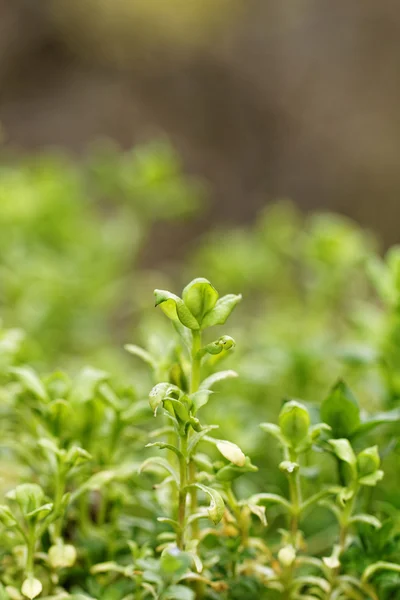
(261, 99)
(145, 142)
(141, 142)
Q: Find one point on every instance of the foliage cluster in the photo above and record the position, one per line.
(128, 482)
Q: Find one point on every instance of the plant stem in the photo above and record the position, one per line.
(295, 496)
(242, 521)
(196, 362)
(59, 492)
(182, 492)
(31, 542)
(195, 379)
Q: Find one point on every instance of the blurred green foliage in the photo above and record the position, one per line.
(69, 243)
(319, 322)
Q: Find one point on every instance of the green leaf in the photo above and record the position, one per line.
(217, 507)
(259, 512)
(85, 385)
(178, 592)
(30, 381)
(29, 497)
(174, 524)
(160, 462)
(6, 516)
(163, 446)
(340, 411)
(288, 467)
(95, 482)
(368, 461)
(31, 588)
(40, 512)
(383, 418)
(201, 397)
(210, 381)
(175, 562)
(141, 353)
(77, 455)
(273, 430)
(221, 311)
(175, 309)
(200, 297)
(197, 437)
(372, 479)
(343, 450)
(232, 471)
(294, 422)
(270, 499)
(160, 393)
(223, 344)
(62, 555)
(231, 452)
(368, 519)
(379, 566)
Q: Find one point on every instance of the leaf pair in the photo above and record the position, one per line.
(200, 306)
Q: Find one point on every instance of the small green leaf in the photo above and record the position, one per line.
(40, 512)
(221, 311)
(231, 452)
(163, 446)
(175, 309)
(217, 507)
(270, 499)
(77, 455)
(275, 431)
(294, 422)
(62, 556)
(141, 353)
(223, 344)
(159, 462)
(368, 461)
(201, 397)
(178, 592)
(383, 418)
(372, 479)
(6, 516)
(197, 437)
(287, 555)
(368, 519)
(160, 392)
(288, 467)
(200, 297)
(379, 566)
(259, 512)
(175, 562)
(210, 381)
(29, 497)
(31, 382)
(340, 411)
(232, 471)
(31, 588)
(85, 385)
(343, 450)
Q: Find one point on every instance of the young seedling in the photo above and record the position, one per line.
(198, 309)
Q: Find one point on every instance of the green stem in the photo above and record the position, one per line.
(195, 379)
(59, 493)
(196, 362)
(241, 520)
(182, 494)
(31, 543)
(295, 496)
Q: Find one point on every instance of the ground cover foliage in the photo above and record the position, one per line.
(239, 440)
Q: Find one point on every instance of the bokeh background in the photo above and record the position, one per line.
(261, 99)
